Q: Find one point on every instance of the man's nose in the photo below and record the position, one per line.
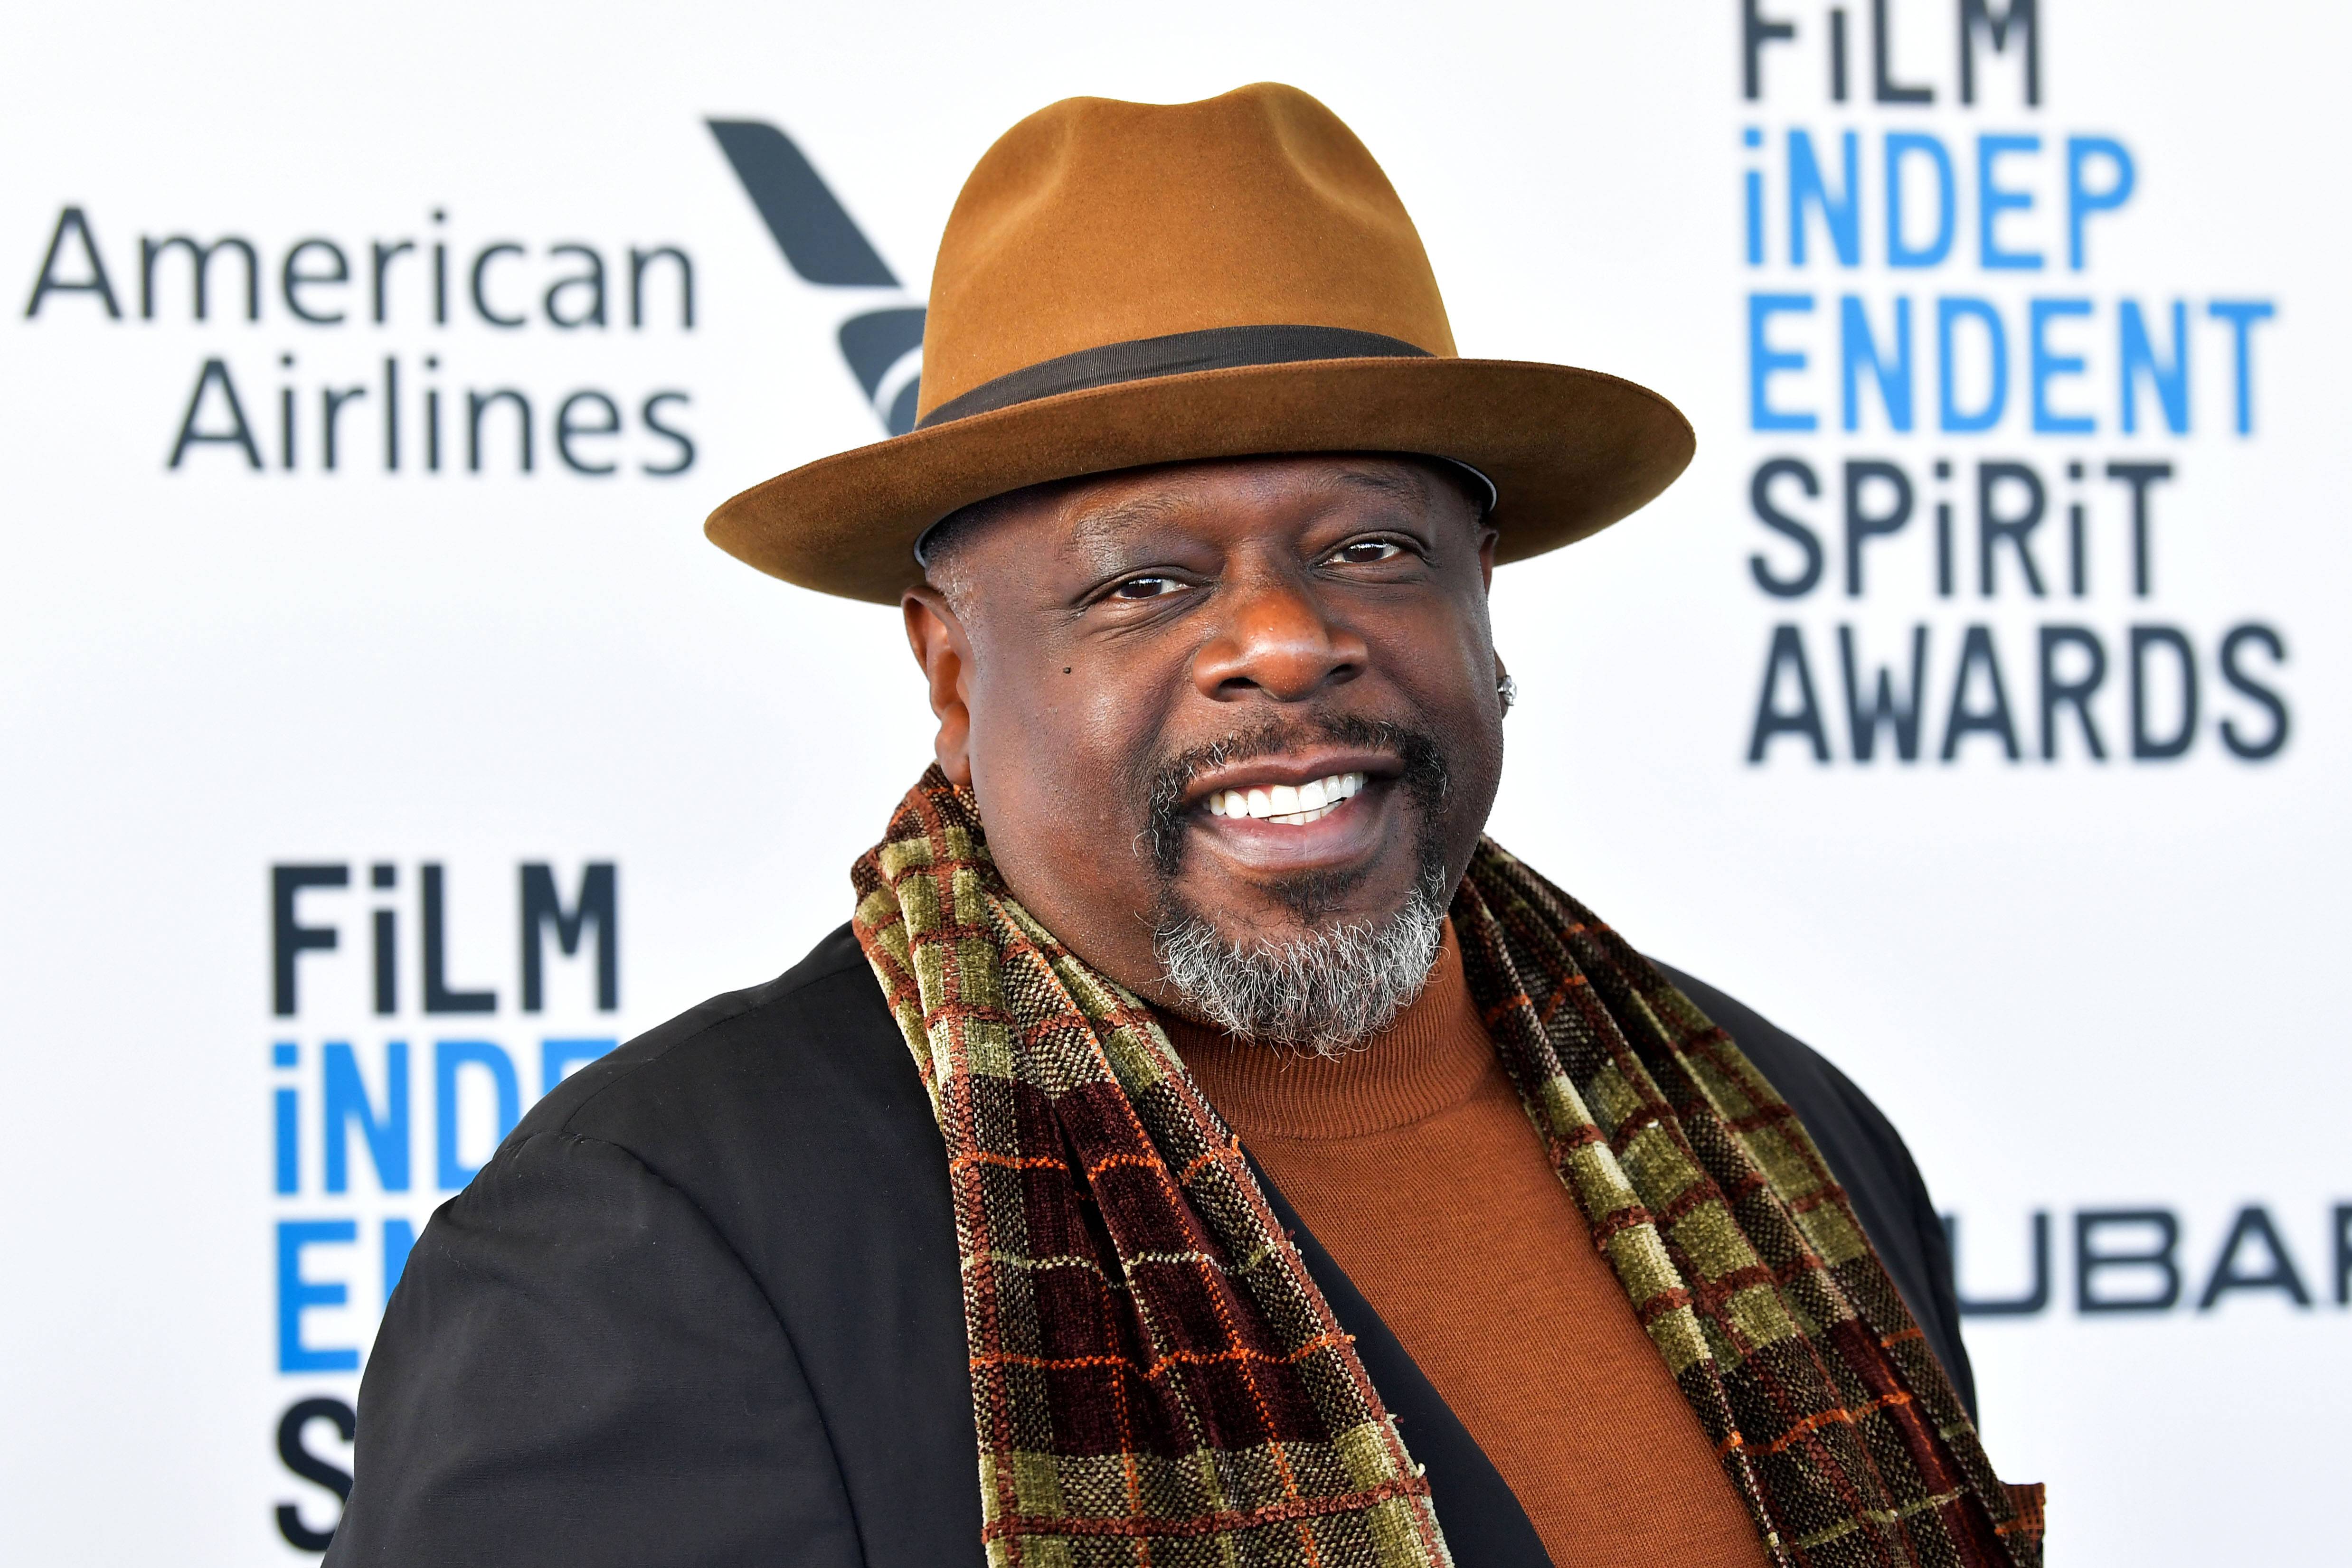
(1275, 635)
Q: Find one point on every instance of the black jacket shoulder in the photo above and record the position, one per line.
(698, 1309)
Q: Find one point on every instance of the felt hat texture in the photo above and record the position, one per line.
(1124, 284)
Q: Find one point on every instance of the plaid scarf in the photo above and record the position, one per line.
(1157, 1381)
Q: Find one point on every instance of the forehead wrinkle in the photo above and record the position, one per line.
(1097, 528)
(1402, 482)
(1427, 483)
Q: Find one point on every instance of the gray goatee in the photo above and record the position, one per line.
(1321, 993)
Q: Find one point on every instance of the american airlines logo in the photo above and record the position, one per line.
(883, 344)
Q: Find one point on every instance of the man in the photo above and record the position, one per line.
(1203, 1146)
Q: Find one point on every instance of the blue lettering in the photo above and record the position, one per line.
(298, 1294)
(1765, 361)
(2048, 366)
(289, 1147)
(1841, 213)
(1994, 200)
(1901, 145)
(2139, 355)
(1949, 312)
(1754, 184)
(345, 1100)
(2242, 315)
(286, 1102)
(1858, 349)
(2082, 201)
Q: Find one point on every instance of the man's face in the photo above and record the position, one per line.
(1254, 697)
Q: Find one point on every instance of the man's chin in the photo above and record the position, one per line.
(1320, 984)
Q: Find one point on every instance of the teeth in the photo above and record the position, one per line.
(1290, 804)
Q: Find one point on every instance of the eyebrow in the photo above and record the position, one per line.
(1102, 525)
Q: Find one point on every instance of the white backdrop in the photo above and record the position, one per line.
(2079, 986)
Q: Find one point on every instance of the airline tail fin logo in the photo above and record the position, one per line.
(824, 244)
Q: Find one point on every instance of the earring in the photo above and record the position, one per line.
(1507, 690)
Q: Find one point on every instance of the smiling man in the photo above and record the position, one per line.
(1203, 1146)
(1278, 672)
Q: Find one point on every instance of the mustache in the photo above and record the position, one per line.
(1424, 776)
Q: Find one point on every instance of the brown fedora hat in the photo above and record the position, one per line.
(1127, 284)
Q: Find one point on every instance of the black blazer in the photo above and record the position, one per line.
(702, 1308)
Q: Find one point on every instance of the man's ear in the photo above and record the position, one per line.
(943, 649)
(1486, 540)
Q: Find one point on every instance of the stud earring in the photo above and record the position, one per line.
(1507, 690)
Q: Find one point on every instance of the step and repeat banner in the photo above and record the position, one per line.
(382, 740)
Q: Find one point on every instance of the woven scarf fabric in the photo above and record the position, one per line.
(1157, 1381)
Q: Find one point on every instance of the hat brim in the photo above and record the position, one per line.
(1569, 452)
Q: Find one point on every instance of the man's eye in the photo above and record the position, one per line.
(1368, 552)
(1145, 587)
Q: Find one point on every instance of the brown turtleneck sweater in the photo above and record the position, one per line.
(1412, 1162)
